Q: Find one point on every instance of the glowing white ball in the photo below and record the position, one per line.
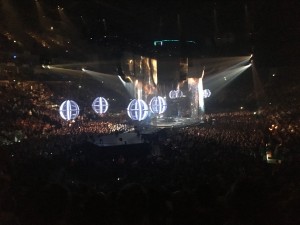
(172, 94)
(179, 94)
(175, 94)
(100, 105)
(206, 93)
(137, 110)
(69, 110)
(158, 105)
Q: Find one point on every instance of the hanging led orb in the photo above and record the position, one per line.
(206, 93)
(175, 94)
(179, 94)
(172, 94)
(137, 110)
(100, 105)
(158, 105)
(69, 110)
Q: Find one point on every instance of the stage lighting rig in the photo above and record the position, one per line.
(251, 59)
(120, 73)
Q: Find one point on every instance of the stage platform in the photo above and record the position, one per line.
(133, 137)
(170, 122)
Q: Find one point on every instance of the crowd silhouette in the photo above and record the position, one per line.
(215, 172)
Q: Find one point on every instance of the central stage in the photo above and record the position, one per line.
(133, 137)
(170, 122)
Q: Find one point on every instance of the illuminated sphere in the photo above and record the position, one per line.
(100, 105)
(137, 110)
(69, 110)
(206, 93)
(158, 105)
(172, 94)
(175, 94)
(179, 94)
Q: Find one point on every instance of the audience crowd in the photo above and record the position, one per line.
(214, 172)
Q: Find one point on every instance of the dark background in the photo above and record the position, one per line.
(270, 29)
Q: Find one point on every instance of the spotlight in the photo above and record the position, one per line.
(83, 69)
(126, 79)
(251, 59)
(122, 75)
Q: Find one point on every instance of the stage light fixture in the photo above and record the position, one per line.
(100, 105)
(137, 109)
(69, 110)
(158, 105)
